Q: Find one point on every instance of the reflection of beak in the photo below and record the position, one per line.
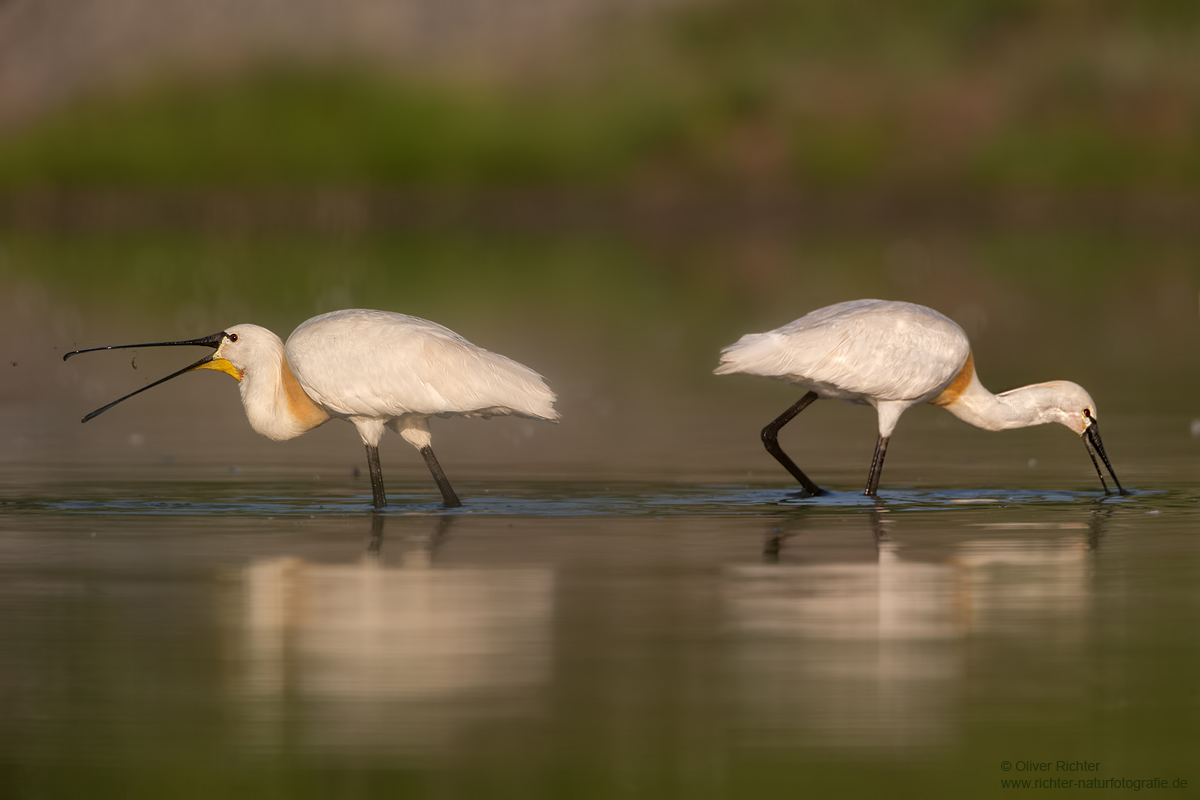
(208, 362)
(1091, 439)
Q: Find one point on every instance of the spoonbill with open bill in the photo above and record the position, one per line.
(372, 368)
(894, 355)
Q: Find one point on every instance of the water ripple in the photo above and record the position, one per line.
(557, 499)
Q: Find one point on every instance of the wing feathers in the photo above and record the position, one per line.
(861, 349)
(380, 364)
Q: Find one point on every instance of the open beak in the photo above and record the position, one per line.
(208, 362)
(1091, 440)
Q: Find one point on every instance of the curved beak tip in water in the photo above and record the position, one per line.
(1091, 440)
(208, 362)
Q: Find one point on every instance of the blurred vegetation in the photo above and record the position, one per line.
(930, 94)
(301, 128)
(1113, 310)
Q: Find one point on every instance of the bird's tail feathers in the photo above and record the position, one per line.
(531, 397)
(754, 354)
(544, 409)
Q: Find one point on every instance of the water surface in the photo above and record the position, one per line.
(589, 638)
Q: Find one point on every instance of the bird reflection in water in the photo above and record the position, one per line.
(419, 546)
(371, 655)
(778, 535)
(856, 638)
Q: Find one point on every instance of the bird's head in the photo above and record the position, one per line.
(242, 348)
(235, 351)
(1072, 406)
(1069, 404)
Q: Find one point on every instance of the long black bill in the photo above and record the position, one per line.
(1091, 439)
(213, 341)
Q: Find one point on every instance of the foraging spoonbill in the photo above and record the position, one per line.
(894, 355)
(372, 368)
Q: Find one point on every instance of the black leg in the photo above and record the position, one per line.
(376, 476)
(771, 442)
(449, 498)
(876, 466)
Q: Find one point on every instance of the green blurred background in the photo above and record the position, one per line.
(946, 99)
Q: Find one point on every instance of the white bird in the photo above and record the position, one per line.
(894, 355)
(372, 368)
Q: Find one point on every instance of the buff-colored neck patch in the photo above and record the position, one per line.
(300, 406)
(951, 393)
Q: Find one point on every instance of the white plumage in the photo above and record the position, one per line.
(384, 365)
(850, 351)
(894, 355)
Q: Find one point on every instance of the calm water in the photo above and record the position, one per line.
(248, 637)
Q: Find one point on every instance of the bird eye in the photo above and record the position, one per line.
(233, 338)
(1087, 412)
